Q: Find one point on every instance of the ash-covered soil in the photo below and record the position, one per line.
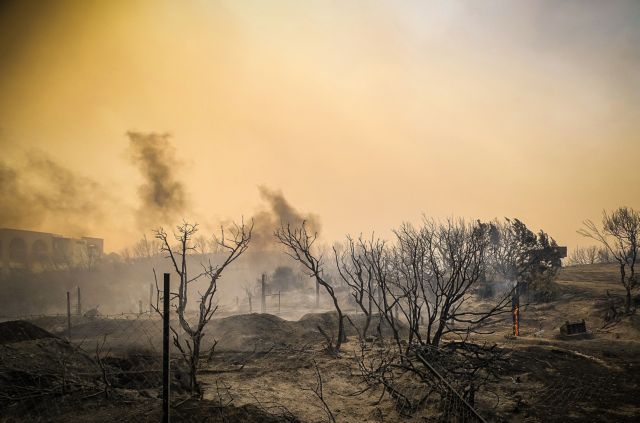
(264, 366)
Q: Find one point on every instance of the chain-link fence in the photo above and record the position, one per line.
(92, 367)
(110, 368)
(59, 368)
(45, 375)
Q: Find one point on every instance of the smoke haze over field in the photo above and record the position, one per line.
(429, 147)
(366, 115)
(41, 194)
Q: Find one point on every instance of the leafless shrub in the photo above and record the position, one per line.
(435, 270)
(299, 244)
(145, 248)
(582, 256)
(358, 273)
(234, 246)
(619, 235)
(103, 369)
(443, 379)
(430, 275)
(318, 391)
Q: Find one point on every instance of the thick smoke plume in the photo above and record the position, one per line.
(162, 195)
(43, 195)
(279, 212)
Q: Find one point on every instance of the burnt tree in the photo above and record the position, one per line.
(358, 273)
(619, 235)
(234, 242)
(436, 269)
(299, 245)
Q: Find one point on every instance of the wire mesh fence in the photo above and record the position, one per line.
(432, 383)
(107, 358)
(52, 366)
(535, 383)
(52, 372)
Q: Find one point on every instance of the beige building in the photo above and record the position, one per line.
(30, 249)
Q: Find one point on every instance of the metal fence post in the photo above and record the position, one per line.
(166, 380)
(69, 312)
(515, 310)
(79, 303)
(263, 299)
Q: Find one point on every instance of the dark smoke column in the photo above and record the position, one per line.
(162, 194)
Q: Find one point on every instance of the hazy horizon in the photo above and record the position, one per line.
(363, 114)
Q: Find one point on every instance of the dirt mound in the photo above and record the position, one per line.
(207, 411)
(246, 332)
(19, 331)
(328, 321)
(308, 325)
(117, 328)
(99, 409)
(99, 327)
(53, 324)
(258, 322)
(31, 370)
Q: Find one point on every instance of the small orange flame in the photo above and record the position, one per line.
(516, 321)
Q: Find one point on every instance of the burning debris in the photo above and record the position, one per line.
(573, 328)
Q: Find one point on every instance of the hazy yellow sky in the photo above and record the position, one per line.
(366, 113)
